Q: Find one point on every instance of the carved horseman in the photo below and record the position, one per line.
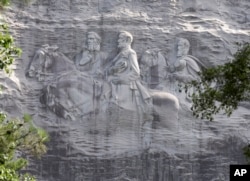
(127, 90)
(70, 96)
(153, 68)
(78, 92)
(184, 69)
(92, 60)
(48, 63)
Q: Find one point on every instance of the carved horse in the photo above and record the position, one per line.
(68, 93)
(153, 67)
(165, 105)
(73, 94)
(49, 63)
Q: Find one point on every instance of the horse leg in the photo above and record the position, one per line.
(165, 110)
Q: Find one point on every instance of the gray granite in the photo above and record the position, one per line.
(70, 87)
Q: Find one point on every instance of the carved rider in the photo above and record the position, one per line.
(91, 60)
(125, 75)
(41, 64)
(185, 68)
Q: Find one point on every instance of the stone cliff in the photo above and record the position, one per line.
(101, 143)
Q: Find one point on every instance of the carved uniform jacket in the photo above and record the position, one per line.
(126, 68)
(91, 62)
(187, 68)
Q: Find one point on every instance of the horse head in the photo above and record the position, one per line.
(48, 61)
(153, 67)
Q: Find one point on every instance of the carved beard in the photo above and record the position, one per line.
(122, 45)
(93, 47)
(182, 52)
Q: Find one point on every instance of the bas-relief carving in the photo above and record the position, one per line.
(124, 76)
(92, 60)
(183, 70)
(153, 65)
(77, 91)
(157, 73)
(72, 95)
(48, 62)
(91, 85)
(186, 67)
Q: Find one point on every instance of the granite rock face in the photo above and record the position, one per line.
(79, 75)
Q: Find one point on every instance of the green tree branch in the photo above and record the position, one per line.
(223, 88)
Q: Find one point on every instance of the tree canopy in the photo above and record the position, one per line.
(18, 137)
(4, 3)
(8, 52)
(223, 88)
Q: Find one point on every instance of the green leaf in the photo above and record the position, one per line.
(222, 88)
(27, 118)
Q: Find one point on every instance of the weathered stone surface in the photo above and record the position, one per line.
(113, 143)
